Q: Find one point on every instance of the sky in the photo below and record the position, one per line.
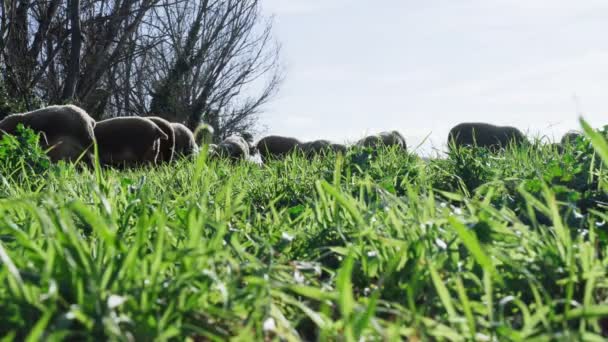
(356, 67)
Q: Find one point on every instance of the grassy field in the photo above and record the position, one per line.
(382, 246)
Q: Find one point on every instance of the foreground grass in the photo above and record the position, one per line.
(477, 246)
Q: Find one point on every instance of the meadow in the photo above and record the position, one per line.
(374, 245)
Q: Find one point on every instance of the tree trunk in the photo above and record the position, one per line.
(69, 89)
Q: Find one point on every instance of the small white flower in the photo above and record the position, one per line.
(298, 277)
(441, 243)
(115, 301)
(270, 325)
(372, 254)
(317, 269)
(287, 237)
(482, 337)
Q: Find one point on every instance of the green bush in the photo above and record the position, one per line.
(21, 156)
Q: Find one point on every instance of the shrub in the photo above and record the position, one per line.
(21, 156)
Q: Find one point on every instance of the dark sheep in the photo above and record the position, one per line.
(67, 131)
(233, 147)
(249, 139)
(314, 147)
(338, 148)
(185, 144)
(388, 139)
(128, 141)
(165, 153)
(570, 137)
(484, 135)
(319, 147)
(567, 140)
(274, 146)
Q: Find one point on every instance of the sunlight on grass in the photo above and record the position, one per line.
(371, 245)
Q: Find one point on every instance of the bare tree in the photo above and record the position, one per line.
(226, 47)
(22, 43)
(189, 61)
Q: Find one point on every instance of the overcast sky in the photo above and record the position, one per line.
(362, 66)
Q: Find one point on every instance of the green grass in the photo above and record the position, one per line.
(477, 246)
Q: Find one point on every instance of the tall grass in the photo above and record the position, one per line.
(477, 246)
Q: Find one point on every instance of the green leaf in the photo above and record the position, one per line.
(597, 140)
(470, 241)
(443, 292)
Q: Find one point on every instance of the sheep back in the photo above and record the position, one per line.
(185, 144)
(67, 129)
(128, 141)
(388, 139)
(484, 135)
(275, 146)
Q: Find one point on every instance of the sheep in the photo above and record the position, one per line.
(249, 139)
(165, 153)
(66, 130)
(338, 148)
(570, 137)
(314, 147)
(185, 144)
(484, 135)
(274, 146)
(203, 134)
(233, 147)
(392, 138)
(128, 141)
(318, 147)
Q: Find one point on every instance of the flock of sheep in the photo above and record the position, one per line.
(68, 133)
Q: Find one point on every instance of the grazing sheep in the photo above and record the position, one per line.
(570, 137)
(233, 147)
(484, 135)
(320, 147)
(165, 153)
(314, 147)
(128, 141)
(274, 146)
(392, 138)
(203, 134)
(338, 148)
(185, 145)
(67, 130)
(249, 139)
